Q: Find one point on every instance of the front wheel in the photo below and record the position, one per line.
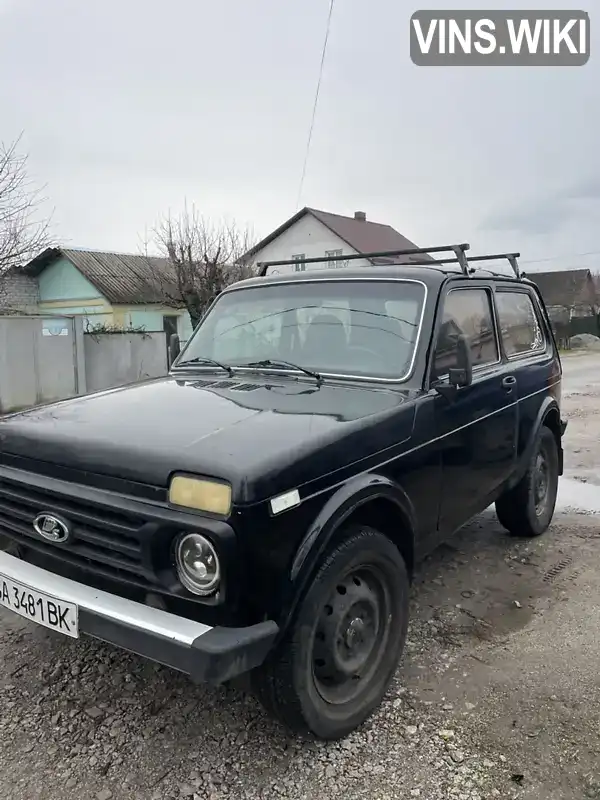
(338, 657)
(527, 509)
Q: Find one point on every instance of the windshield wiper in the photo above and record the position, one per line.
(208, 361)
(279, 363)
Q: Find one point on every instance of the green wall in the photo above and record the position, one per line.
(62, 281)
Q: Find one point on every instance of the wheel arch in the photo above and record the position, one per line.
(371, 500)
(548, 416)
(552, 420)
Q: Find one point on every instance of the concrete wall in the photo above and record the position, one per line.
(115, 359)
(19, 292)
(43, 359)
(308, 237)
(40, 361)
(17, 375)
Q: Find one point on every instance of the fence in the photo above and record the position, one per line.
(563, 331)
(40, 360)
(114, 359)
(43, 359)
(585, 325)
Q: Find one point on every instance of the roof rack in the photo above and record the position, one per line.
(458, 250)
(510, 257)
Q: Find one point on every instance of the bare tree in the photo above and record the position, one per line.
(24, 230)
(202, 258)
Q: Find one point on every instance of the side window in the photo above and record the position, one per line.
(519, 324)
(468, 312)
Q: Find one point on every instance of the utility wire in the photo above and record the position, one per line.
(316, 101)
(560, 258)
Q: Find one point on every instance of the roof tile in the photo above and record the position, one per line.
(561, 287)
(122, 278)
(361, 235)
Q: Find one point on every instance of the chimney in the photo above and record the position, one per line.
(360, 216)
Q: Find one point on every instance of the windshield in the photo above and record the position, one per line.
(355, 328)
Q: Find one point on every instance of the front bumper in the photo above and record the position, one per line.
(206, 654)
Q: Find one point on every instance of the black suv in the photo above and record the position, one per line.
(261, 509)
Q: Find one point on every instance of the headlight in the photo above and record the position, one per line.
(201, 495)
(198, 564)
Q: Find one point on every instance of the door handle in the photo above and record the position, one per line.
(509, 383)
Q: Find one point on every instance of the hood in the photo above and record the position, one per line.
(259, 436)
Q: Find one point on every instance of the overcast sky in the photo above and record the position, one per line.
(130, 106)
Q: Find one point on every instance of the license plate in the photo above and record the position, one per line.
(39, 607)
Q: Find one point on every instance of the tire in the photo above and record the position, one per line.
(523, 511)
(361, 591)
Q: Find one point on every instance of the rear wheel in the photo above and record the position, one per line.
(339, 655)
(527, 509)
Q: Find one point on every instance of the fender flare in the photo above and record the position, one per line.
(339, 507)
(548, 406)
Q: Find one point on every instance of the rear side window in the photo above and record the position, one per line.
(468, 312)
(519, 323)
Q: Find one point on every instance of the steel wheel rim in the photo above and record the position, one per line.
(541, 483)
(351, 634)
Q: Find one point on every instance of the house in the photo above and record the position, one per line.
(319, 234)
(567, 293)
(115, 290)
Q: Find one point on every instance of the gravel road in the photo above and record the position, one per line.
(498, 695)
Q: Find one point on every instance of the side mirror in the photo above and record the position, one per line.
(174, 348)
(461, 375)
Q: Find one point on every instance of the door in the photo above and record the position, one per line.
(530, 355)
(476, 430)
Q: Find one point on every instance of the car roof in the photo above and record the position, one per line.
(433, 277)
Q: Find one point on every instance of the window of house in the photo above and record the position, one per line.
(468, 312)
(301, 267)
(519, 324)
(331, 254)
